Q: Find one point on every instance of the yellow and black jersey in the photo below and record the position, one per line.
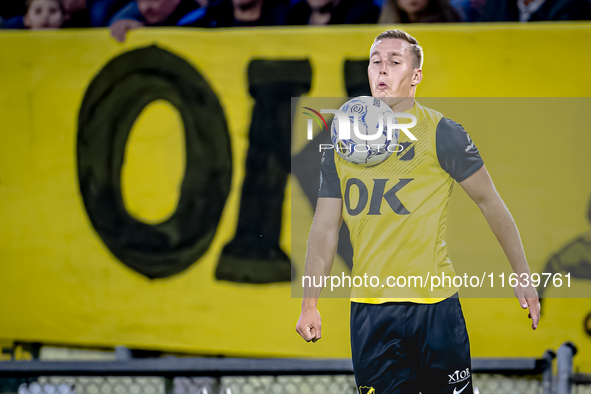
(396, 210)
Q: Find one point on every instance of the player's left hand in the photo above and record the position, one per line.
(528, 298)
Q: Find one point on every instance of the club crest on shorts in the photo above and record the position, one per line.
(366, 390)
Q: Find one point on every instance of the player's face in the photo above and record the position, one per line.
(391, 72)
(44, 14)
(157, 11)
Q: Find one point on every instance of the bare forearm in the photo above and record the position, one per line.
(481, 189)
(505, 230)
(322, 247)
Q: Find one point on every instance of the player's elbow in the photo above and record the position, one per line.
(484, 196)
(324, 231)
(490, 203)
(482, 200)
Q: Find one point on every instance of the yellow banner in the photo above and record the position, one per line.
(122, 222)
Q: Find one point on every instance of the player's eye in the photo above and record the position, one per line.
(376, 62)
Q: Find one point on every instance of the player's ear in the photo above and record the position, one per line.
(417, 77)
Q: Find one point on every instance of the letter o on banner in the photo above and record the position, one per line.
(112, 103)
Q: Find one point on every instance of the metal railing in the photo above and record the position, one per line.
(238, 376)
(567, 381)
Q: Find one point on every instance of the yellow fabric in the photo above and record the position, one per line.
(392, 244)
(62, 286)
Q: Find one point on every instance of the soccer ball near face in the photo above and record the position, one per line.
(369, 113)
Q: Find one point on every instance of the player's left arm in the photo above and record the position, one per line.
(479, 186)
(460, 158)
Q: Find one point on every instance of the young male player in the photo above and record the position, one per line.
(406, 340)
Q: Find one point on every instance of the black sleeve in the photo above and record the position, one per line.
(456, 152)
(330, 184)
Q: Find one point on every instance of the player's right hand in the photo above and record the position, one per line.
(120, 28)
(310, 325)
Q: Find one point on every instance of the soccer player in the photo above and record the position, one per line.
(413, 339)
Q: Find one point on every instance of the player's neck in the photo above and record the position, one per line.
(401, 104)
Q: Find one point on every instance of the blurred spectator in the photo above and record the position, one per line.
(469, 10)
(75, 13)
(41, 14)
(151, 13)
(333, 12)
(16, 22)
(418, 11)
(536, 10)
(101, 11)
(90, 13)
(232, 13)
(44, 14)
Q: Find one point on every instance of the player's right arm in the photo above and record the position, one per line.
(322, 246)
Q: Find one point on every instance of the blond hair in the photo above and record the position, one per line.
(416, 50)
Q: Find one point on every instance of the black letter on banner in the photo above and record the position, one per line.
(362, 196)
(254, 255)
(307, 161)
(356, 79)
(113, 101)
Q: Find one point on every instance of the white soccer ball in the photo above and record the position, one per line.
(370, 113)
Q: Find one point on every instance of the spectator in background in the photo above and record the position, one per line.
(41, 14)
(418, 11)
(91, 13)
(75, 13)
(536, 10)
(469, 10)
(151, 13)
(234, 13)
(333, 12)
(44, 14)
(102, 11)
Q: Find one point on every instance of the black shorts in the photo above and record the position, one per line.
(407, 348)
